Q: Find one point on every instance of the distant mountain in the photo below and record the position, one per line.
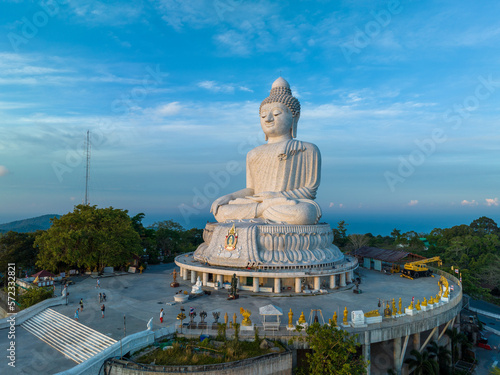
(29, 225)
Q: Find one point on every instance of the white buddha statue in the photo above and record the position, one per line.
(196, 289)
(282, 175)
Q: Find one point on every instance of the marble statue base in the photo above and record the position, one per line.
(410, 311)
(373, 319)
(181, 298)
(247, 328)
(261, 245)
(445, 299)
(424, 308)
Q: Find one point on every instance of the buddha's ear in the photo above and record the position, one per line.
(267, 138)
(293, 129)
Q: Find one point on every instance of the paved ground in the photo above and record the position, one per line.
(140, 297)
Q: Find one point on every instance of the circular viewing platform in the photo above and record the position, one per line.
(270, 279)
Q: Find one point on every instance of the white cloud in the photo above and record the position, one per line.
(168, 109)
(3, 171)
(222, 87)
(465, 202)
(492, 201)
(413, 202)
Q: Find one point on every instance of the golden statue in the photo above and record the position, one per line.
(399, 310)
(411, 306)
(302, 318)
(331, 323)
(443, 284)
(345, 316)
(372, 313)
(387, 311)
(226, 318)
(234, 319)
(394, 311)
(431, 301)
(425, 302)
(246, 317)
(334, 319)
(417, 306)
(438, 297)
(290, 319)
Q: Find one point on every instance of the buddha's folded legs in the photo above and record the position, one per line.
(303, 212)
(235, 211)
(280, 210)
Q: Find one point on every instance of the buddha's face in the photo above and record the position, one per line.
(276, 120)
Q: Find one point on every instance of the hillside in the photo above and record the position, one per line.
(28, 225)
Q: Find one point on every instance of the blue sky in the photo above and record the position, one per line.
(401, 97)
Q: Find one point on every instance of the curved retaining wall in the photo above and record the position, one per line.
(269, 364)
(31, 311)
(406, 325)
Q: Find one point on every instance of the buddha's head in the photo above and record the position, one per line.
(280, 111)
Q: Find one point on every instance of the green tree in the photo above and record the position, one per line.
(17, 248)
(168, 236)
(484, 225)
(422, 363)
(334, 352)
(395, 233)
(339, 234)
(458, 339)
(89, 237)
(148, 238)
(442, 355)
(34, 295)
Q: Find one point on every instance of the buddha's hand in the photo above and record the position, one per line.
(225, 199)
(261, 197)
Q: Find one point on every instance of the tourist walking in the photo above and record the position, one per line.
(100, 297)
(81, 304)
(161, 316)
(102, 310)
(76, 313)
(98, 284)
(104, 297)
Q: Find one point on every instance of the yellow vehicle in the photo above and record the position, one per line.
(414, 270)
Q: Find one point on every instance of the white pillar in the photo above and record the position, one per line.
(220, 279)
(317, 284)
(205, 278)
(184, 274)
(256, 287)
(238, 283)
(193, 276)
(342, 279)
(332, 282)
(349, 276)
(277, 285)
(298, 285)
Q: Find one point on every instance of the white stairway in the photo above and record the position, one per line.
(75, 340)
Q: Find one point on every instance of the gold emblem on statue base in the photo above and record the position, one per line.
(231, 239)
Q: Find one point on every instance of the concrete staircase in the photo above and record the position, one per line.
(75, 340)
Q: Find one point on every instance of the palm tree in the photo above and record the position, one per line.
(442, 355)
(457, 339)
(422, 364)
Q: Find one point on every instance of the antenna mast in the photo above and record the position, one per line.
(87, 169)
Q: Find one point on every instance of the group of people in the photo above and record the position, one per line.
(102, 298)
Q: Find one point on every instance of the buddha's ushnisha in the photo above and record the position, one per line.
(282, 175)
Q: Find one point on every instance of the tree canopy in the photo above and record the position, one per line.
(90, 238)
(334, 352)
